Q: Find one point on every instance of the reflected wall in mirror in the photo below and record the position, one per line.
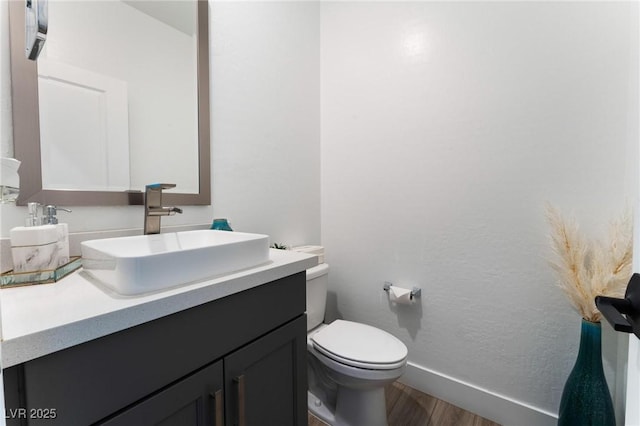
(119, 98)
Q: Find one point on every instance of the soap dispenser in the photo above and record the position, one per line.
(49, 217)
(34, 247)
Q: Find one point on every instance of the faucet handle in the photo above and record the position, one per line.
(153, 208)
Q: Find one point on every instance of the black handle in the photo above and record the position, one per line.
(612, 309)
(623, 314)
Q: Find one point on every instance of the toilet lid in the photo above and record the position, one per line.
(360, 345)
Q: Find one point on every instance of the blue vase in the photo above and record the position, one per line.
(586, 400)
(221, 225)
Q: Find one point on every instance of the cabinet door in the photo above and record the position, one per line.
(194, 401)
(266, 380)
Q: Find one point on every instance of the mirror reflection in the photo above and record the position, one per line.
(117, 90)
(121, 91)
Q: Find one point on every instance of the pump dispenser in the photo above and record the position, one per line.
(49, 217)
(36, 247)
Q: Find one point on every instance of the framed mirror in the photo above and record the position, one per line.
(93, 123)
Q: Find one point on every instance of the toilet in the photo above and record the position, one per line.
(349, 363)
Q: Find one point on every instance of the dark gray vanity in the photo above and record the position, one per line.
(236, 360)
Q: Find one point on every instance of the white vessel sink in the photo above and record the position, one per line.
(147, 263)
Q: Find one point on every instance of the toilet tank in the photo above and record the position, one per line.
(317, 284)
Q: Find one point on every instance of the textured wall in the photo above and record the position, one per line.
(445, 128)
(266, 118)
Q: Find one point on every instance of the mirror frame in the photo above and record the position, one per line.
(26, 127)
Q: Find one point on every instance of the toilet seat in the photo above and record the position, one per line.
(360, 345)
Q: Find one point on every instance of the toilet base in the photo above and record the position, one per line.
(361, 407)
(354, 407)
(321, 409)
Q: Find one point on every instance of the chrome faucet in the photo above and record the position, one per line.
(153, 208)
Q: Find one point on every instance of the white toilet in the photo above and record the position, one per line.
(348, 364)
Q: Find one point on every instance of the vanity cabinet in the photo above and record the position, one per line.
(239, 360)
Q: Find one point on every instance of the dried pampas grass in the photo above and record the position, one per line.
(587, 269)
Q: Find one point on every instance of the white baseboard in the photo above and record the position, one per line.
(482, 402)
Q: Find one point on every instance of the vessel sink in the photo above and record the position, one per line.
(148, 263)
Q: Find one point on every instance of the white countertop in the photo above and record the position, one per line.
(42, 319)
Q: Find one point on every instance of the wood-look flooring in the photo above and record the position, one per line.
(409, 407)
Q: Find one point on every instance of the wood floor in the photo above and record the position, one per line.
(409, 407)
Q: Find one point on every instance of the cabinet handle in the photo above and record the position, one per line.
(217, 410)
(239, 382)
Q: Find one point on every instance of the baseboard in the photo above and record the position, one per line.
(482, 402)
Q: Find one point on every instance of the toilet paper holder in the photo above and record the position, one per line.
(415, 291)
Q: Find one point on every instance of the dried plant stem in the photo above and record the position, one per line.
(589, 269)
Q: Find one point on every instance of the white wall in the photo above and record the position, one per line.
(632, 413)
(445, 128)
(266, 119)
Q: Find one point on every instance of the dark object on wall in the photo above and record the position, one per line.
(623, 314)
